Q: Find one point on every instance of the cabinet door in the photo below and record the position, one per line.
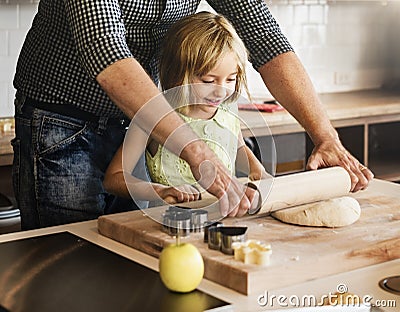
(280, 154)
(384, 150)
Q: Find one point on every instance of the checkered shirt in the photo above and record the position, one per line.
(72, 41)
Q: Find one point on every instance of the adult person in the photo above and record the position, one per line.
(87, 66)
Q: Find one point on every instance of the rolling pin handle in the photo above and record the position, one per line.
(259, 204)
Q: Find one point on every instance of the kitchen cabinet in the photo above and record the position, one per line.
(6, 181)
(289, 156)
(384, 150)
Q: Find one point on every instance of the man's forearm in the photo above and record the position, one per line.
(128, 85)
(289, 83)
(132, 90)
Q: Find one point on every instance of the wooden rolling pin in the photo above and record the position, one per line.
(285, 191)
(302, 188)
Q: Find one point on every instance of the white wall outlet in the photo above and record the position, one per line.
(342, 78)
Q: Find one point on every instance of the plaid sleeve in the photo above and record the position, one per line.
(99, 33)
(256, 26)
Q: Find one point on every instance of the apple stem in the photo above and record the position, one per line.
(178, 239)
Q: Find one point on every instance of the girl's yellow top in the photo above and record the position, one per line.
(220, 133)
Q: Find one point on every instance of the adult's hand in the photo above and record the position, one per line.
(332, 153)
(234, 198)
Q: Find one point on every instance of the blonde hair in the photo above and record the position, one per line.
(192, 48)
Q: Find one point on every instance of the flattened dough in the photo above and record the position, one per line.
(334, 212)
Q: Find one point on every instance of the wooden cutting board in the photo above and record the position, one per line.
(298, 253)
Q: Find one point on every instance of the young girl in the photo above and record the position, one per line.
(203, 68)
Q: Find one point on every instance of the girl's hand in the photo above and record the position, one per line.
(178, 194)
(259, 175)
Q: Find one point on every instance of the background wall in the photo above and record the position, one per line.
(344, 45)
(15, 20)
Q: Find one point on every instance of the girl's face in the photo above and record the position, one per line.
(217, 85)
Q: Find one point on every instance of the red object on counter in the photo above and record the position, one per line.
(262, 107)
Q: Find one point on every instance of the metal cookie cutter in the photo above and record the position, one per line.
(209, 224)
(177, 221)
(214, 237)
(198, 219)
(231, 234)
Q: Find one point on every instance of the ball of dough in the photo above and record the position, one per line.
(334, 212)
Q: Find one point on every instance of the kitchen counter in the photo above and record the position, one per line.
(362, 282)
(344, 109)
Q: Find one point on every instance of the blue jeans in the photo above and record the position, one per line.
(59, 165)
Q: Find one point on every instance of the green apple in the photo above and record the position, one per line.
(181, 267)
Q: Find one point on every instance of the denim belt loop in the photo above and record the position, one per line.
(102, 124)
(19, 102)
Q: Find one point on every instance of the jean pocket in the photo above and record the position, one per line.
(56, 133)
(16, 144)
